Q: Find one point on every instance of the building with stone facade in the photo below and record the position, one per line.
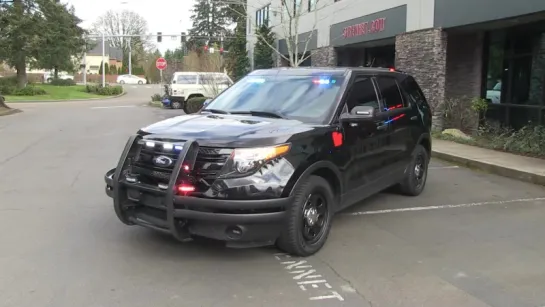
(494, 49)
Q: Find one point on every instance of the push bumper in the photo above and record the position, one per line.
(240, 223)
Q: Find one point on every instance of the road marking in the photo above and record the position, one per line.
(306, 276)
(498, 202)
(443, 167)
(112, 107)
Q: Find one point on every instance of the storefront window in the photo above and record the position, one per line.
(515, 75)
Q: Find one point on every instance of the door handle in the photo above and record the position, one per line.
(414, 118)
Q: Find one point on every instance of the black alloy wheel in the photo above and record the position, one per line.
(309, 218)
(417, 173)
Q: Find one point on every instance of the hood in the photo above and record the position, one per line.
(228, 130)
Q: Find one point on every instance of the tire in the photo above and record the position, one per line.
(176, 104)
(140, 82)
(121, 82)
(415, 178)
(49, 80)
(292, 240)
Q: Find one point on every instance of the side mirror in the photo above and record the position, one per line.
(359, 114)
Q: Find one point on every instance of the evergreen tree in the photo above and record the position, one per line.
(263, 53)
(210, 19)
(63, 39)
(238, 63)
(21, 25)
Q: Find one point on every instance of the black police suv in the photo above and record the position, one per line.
(271, 159)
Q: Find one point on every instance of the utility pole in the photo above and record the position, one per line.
(85, 68)
(130, 57)
(103, 60)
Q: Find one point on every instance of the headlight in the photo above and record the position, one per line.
(248, 160)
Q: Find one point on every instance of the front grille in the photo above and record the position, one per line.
(208, 164)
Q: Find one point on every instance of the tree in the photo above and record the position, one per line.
(263, 54)
(238, 63)
(210, 20)
(125, 23)
(151, 71)
(63, 38)
(20, 29)
(289, 14)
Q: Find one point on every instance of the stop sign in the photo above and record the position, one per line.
(161, 63)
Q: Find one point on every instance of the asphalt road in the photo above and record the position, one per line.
(471, 239)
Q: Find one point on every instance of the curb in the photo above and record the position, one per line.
(491, 168)
(66, 100)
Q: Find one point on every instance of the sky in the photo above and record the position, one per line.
(166, 16)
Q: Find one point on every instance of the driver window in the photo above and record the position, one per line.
(362, 93)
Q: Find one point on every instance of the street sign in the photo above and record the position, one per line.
(161, 63)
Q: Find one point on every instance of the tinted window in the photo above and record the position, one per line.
(213, 79)
(391, 96)
(414, 93)
(362, 93)
(306, 98)
(186, 79)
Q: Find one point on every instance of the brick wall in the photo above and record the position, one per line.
(464, 65)
(423, 54)
(324, 57)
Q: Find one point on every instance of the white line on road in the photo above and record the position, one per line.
(443, 167)
(112, 107)
(498, 202)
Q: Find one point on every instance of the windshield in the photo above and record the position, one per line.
(305, 98)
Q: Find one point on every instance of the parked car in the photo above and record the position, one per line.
(274, 157)
(49, 76)
(130, 79)
(186, 85)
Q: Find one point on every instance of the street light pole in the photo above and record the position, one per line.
(103, 60)
(130, 57)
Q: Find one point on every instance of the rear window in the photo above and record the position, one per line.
(414, 92)
(186, 79)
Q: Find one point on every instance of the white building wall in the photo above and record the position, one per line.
(420, 15)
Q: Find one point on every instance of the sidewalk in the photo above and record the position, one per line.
(504, 164)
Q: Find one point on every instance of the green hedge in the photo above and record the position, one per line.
(195, 104)
(104, 91)
(62, 82)
(29, 90)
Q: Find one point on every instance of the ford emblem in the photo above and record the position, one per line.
(163, 161)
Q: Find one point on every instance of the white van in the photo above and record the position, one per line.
(186, 85)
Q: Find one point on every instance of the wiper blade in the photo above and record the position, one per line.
(215, 111)
(261, 113)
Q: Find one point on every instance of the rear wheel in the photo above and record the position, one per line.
(309, 218)
(140, 82)
(415, 179)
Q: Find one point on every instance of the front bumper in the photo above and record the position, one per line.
(240, 223)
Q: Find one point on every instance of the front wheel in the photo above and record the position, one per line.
(176, 104)
(309, 218)
(140, 82)
(121, 82)
(415, 178)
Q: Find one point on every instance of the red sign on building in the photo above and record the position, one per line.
(364, 28)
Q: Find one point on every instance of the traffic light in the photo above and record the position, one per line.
(184, 39)
(159, 37)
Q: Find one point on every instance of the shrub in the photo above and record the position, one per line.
(104, 91)
(529, 140)
(7, 89)
(62, 82)
(195, 104)
(29, 91)
(8, 81)
(156, 97)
